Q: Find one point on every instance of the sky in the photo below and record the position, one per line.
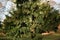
(5, 9)
(57, 5)
(57, 1)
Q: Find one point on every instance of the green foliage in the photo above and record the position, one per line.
(31, 18)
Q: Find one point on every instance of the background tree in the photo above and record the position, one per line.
(31, 18)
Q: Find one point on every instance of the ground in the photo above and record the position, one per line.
(55, 36)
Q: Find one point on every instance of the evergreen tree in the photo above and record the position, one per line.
(31, 18)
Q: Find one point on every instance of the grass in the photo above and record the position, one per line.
(38, 37)
(52, 37)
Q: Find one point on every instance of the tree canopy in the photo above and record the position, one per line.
(31, 18)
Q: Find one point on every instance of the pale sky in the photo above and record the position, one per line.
(5, 9)
(57, 5)
(57, 1)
